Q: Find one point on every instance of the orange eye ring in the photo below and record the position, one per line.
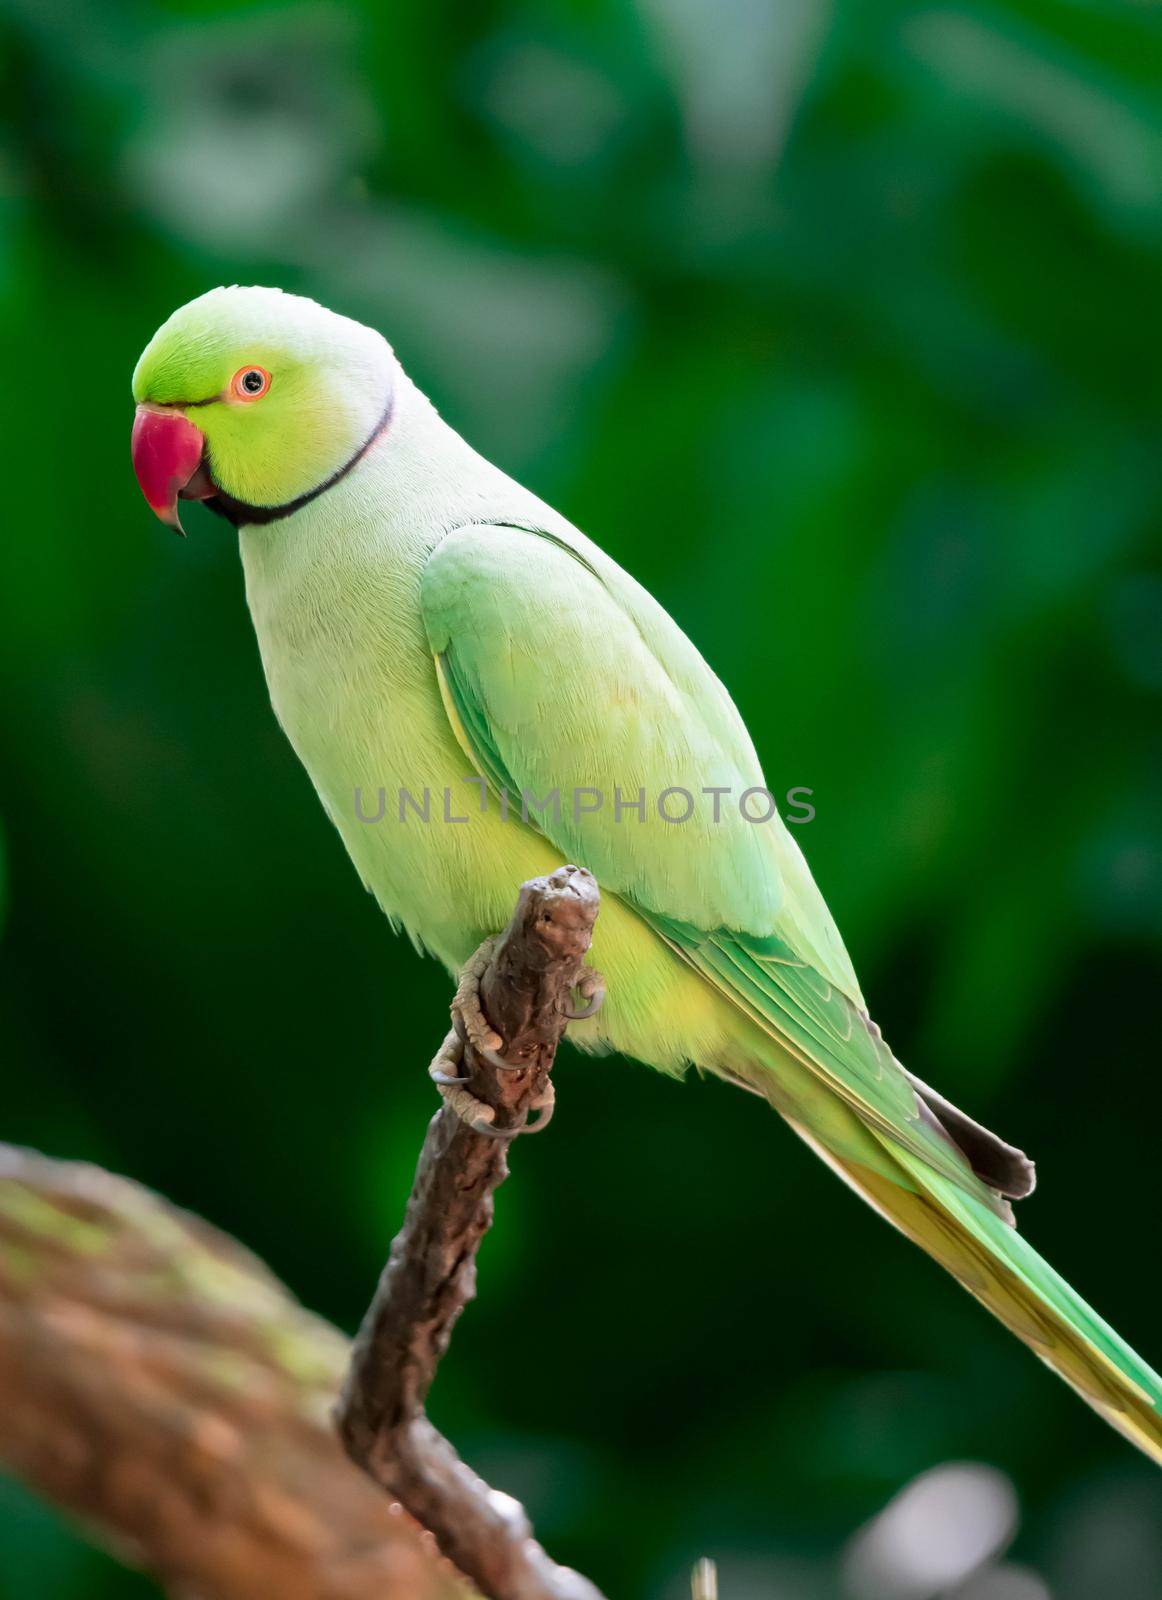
(249, 383)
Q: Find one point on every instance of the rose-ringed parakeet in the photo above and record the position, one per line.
(432, 630)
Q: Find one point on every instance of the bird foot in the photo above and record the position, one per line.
(470, 1026)
(478, 1114)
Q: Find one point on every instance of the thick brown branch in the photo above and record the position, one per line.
(431, 1272)
(161, 1385)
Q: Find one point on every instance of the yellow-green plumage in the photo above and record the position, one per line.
(426, 623)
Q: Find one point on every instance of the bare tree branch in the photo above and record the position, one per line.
(160, 1384)
(431, 1272)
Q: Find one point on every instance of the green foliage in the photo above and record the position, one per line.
(838, 327)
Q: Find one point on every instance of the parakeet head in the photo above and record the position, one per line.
(251, 399)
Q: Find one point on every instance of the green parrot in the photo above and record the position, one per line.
(477, 690)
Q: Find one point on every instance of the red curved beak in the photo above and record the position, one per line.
(167, 452)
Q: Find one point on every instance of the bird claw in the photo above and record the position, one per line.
(446, 1060)
(450, 1083)
(497, 1061)
(591, 987)
(546, 1105)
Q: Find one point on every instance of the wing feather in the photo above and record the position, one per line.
(561, 673)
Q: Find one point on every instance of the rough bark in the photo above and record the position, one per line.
(431, 1272)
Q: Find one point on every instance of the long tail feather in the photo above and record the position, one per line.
(1006, 1274)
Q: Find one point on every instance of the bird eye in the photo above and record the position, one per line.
(250, 383)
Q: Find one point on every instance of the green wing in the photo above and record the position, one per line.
(562, 674)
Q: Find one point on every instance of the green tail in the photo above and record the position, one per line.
(994, 1263)
(928, 1169)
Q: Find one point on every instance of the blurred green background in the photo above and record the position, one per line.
(838, 326)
